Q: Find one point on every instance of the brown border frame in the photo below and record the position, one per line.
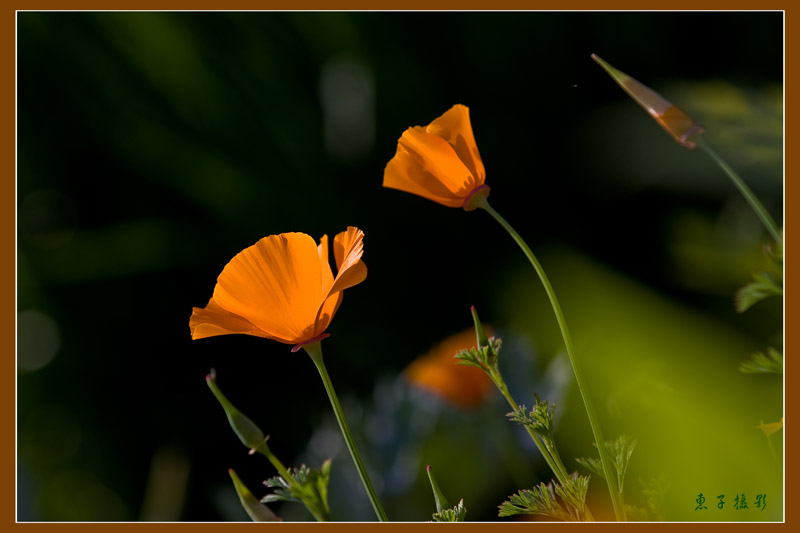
(8, 236)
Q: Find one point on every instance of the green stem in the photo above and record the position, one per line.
(556, 466)
(772, 452)
(552, 457)
(619, 509)
(314, 350)
(319, 515)
(279, 466)
(751, 198)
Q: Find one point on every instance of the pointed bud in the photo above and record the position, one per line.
(677, 123)
(250, 435)
(257, 511)
(483, 340)
(438, 495)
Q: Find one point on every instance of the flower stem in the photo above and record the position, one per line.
(751, 198)
(320, 515)
(553, 461)
(314, 350)
(551, 456)
(772, 453)
(619, 509)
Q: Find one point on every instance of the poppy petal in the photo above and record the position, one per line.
(214, 320)
(328, 306)
(405, 173)
(454, 127)
(348, 247)
(275, 284)
(436, 156)
(325, 267)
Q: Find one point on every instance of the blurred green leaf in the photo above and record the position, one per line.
(761, 363)
(763, 286)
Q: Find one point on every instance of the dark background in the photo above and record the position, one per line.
(155, 146)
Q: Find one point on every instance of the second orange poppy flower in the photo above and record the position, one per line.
(440, 162)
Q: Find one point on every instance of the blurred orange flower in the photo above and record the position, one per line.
(440, 162)
(282, 288)
(439, 372)
(677, 123)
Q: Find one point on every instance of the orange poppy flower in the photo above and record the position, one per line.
(282, 288)
(440, 162)
(439, 372)
(677, 123)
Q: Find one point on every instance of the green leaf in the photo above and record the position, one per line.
(593, 465)
(308, 486)
(438, 495)
(471, 357)
(573, 493)
(620, 451)
(635, 513)
(763, 286)
(656, 493)
(539, 419)
(760, 363)
(456, 514)
(257, 511)
(563, 502)
(322, 483)
(541, 500)
(479, 333)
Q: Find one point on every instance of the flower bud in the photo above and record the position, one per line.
(250, 434)
(677, 123)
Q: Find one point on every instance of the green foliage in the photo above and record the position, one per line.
(483, 357)
(443, 511)
(634, 513)
(763, 286)
(620, 451)
(565, 502)
(486, 354)
(539, 419)
(455, 514)
(592, 464)
(307, 486)
(656, 493)
(763, 363)
(438, 495)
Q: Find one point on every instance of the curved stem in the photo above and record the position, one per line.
(751, 198)
(314, 350)
(619, 509)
